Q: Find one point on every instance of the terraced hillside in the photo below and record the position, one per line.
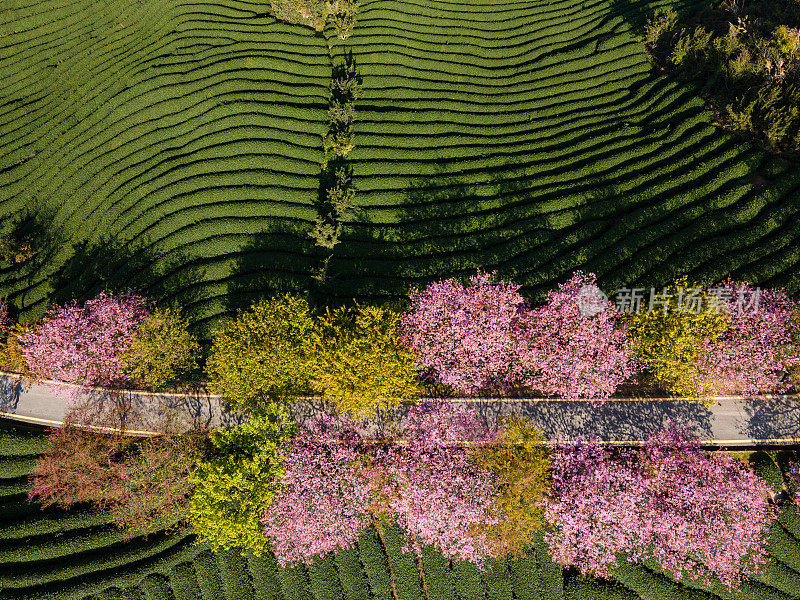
(178, 146)
(79, 555)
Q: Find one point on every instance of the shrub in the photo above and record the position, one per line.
(144, 484)
(698, 515)
(265, 354)
(787, 41)
(337, 201)
(360, 363)
(468, 337)
(300, 12)
(161, 350)
(343, 15)
(668, 339)
(345, 89)
(690, 50)
(577, 348)
(661, 23)
(236, 484)
(11, 355)
(519, 460)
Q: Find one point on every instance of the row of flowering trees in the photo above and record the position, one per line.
(111, 340)
(465, 338)
(469, 487)
(475, 490)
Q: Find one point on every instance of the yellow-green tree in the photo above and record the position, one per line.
(668, 338)
(161, 351)
(234, 487)
(360, 363)
(265, 354)
(519, 459)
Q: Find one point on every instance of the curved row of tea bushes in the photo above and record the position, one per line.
(177, 147)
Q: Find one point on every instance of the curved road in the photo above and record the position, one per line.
(732, 421)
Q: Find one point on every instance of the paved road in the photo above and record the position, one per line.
(731, 422)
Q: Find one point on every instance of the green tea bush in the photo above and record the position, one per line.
(232, 566)
(403, 564)
(524, 576)
(323, 580)
(578, 587)
(208, 578)
(351, 574)
(438, 576)
(376, 565)
(264, 574)
(497, 580)
(765, 467)
(467, 580)
(648, 584)
(155, 587)
(551, 575)
(294, 583)
(183, 582)
(784, 547)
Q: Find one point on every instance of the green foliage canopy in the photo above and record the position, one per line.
(162, 350)
(520, 461)
(264, 355)
(360, 363)
(235, 486)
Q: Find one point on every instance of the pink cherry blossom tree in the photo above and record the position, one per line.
(697, 514)
(323, 500)
(83, 344)
(337, 482)
(755, 354)
(469, 336)
(439, 496)
(5, 319)
(578, 347)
